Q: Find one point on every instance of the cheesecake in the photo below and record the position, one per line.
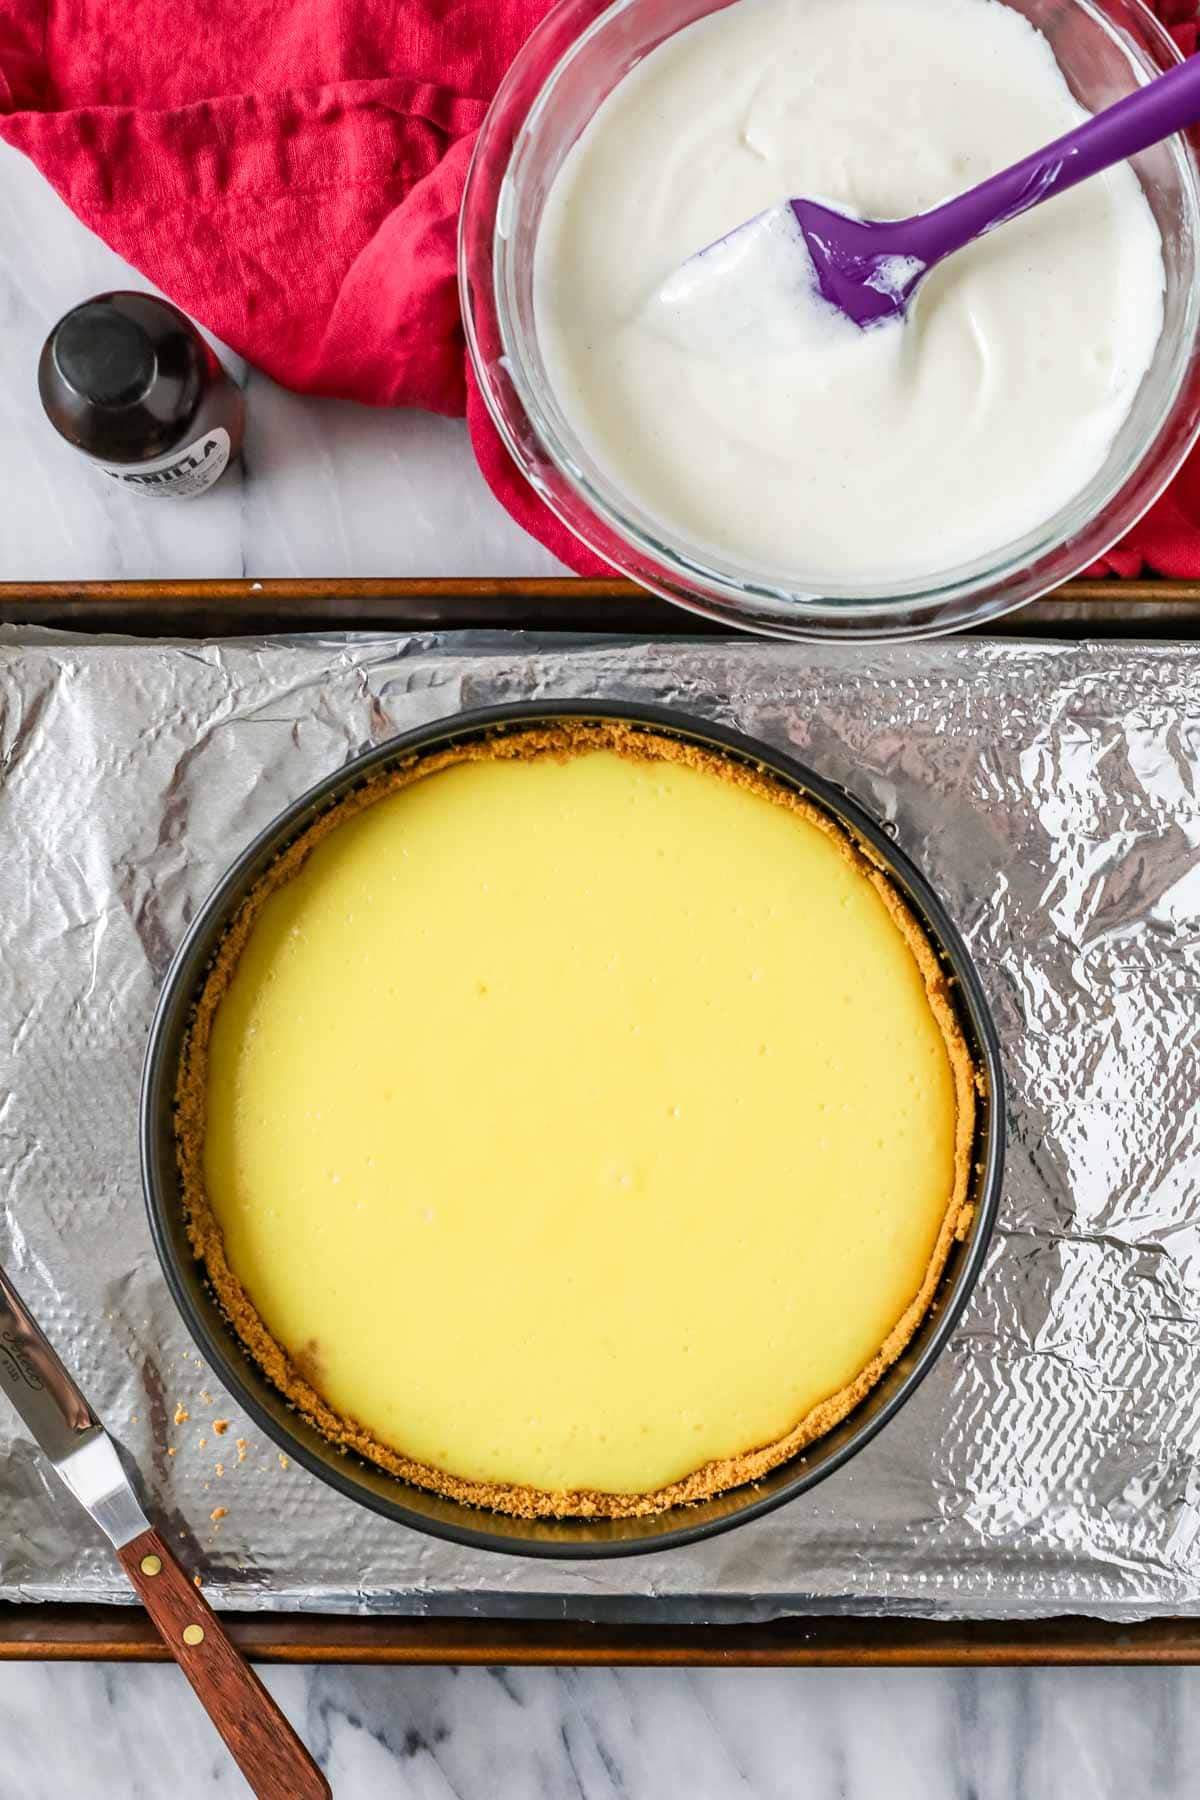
(575, 1122)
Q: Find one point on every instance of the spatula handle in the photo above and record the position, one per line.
(262, 1743)
(1169, 103)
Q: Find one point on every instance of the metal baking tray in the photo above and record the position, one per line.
(1143, 609)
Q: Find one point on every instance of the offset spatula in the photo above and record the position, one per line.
(265, 1747)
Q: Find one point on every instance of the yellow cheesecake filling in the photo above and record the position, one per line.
(575, 1123)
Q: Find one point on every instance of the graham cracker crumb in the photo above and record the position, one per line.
(561, 741)
(220, 1426)
(241, 1449)
(283, 1461)
(219, 1512)
(182, 1415)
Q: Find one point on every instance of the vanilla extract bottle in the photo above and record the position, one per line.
(130, 382)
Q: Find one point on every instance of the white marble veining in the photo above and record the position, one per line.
(121, 1733)
(325, 487)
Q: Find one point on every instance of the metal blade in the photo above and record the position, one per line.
(62, 1423)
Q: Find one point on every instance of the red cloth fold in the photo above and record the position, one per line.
(291, 175)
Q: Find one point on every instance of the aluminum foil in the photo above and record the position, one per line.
(1051, 792)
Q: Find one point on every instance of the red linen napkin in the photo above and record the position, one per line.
(290, 175)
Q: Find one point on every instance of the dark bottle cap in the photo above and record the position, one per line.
(127, 378)
(104, 356)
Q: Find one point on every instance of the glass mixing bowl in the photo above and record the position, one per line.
(572, 61)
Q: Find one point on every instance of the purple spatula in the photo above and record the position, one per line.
(869, 269)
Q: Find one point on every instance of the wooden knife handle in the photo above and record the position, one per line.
(263, 1744)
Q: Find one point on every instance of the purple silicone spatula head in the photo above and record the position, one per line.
(869, 269)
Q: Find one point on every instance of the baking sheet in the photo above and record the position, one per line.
(1048, 1464)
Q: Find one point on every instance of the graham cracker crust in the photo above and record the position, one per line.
(293, 1375)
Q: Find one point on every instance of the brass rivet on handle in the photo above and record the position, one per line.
(151, 1565)
(193, 1634)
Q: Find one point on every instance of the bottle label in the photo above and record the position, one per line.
(182, 473)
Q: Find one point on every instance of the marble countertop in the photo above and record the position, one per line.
(122, 1733)
(338, 490)
(324, 487)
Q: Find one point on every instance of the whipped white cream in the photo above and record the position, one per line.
(769, 429)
